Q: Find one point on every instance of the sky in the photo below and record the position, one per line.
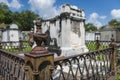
(98, 12)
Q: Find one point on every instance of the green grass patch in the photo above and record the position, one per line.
(25, 47)
(92, 46)
(15, 50)
(101, 57)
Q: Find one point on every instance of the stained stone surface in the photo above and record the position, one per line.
(11, 34)
(67, 30)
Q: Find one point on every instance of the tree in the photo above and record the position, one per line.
(5, 14)
(114, 23)
(16, 18)
(25, 19)
(90, 27)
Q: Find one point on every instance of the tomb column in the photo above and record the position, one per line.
(65, 34)
(82, 30)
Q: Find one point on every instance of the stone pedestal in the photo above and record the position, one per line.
(38, 63)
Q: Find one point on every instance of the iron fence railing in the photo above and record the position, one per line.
(99, 45)
(11, 66)
(87, 66)
(23, 46)
(93, 65)
(16, 46)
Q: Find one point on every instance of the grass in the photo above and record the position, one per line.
(15, 49)
(92, 46)
(118, 63)
(101, 57)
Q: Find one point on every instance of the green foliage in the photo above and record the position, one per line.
(24, 48)
(5, 14)
(101, 57)
(114, 23)
(92, 46)
(90, 27)
(118, 75)
(118, 78)
(2, 25)
(23, 19)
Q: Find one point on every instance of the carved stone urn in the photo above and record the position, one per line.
(40, 39)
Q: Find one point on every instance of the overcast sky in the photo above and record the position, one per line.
(98, 12)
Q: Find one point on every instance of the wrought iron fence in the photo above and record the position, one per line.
(11, 67)
(16, 46)
(99, 45)
(95, 65)
(87, 66)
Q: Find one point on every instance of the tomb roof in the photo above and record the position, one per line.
(13, 26)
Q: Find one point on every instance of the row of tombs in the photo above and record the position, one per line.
(66, 31)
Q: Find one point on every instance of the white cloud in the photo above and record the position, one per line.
(103, 17)
(94, 18)
(115, 13)
(13, 4)
(4, 1)
(45, 8)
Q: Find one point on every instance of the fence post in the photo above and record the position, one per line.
(21, 45)
(0, 67)
(113, 56)
(97, 44)
(0, 45)
(0, 61)
(38, 63)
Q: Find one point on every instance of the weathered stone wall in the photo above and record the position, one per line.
(106, 35)
(67, 30)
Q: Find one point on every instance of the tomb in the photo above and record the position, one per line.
(66, 30)
(12, 33)
(92, 35)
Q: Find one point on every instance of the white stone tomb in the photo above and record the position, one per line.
(68, 30)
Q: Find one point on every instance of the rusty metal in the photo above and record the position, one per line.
(39, 61)
(38, 50)
(0, 46)
(20, 44)
(40, 38)
(97, 44)
(113, 45)
(87, 66)
(11, 66)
